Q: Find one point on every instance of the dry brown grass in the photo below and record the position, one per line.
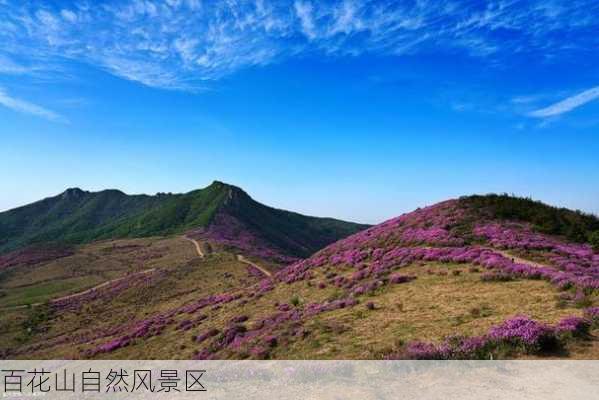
(92, 265)
(429, 308)
(438, 303)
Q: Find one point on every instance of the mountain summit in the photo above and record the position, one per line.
(240, 221)
(222, 212)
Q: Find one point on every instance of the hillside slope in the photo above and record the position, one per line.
(453, 280)
(78, 216)
(266, 232)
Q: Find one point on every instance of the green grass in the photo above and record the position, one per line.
(43, 292)
(91, 265)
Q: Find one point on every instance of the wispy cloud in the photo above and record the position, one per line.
(568, 104)
(25, 107)
(182, 44)
(303, 11)
(8, 66)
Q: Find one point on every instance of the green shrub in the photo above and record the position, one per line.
(575, 225)
(296, 301)
(594, 240)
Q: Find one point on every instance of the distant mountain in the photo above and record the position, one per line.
(220, 211)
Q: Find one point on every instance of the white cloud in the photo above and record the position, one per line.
(148, 74)
(181, 44)
(568, 104)
(7, 66)
(346, 18)
(304, 13)
(69, 15)
(47, 19)
(524, 99)
(25, 107)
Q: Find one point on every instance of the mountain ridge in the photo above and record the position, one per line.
(77, 216)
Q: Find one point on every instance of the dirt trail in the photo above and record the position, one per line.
(244, 260)
(240, 258)
(516, 258)
(86, 291)
(197, 245)
(100, 286)
(104, 284)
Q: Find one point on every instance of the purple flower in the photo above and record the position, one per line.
(239, 319)
(592, 313)
(399, 278)
(522, 330)
(271, 340)
(208, 334)
(423, 351)
(576, 326)
(259, 352)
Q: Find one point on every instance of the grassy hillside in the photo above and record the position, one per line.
(77, 216)
(72, 217)
(283, 231)
(39, 280)
(178, 276)
(446, 281)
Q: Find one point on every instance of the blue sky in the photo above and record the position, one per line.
(353, 109)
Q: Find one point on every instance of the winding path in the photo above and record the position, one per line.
(100, 286)
(197, 246)
(240, 258)
(198, 249)
(86, 291)
(517, 259)
(244, 260)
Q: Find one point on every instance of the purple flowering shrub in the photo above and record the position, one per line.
(399, 278)
(134, 281)
(34, 255)
(578, 263)
(258, 340)
(254, 272)
(452, 348)
(525, 333)
(429, 225)
(374, 252)
(519, 334)
(592, 314)
(575, 326)
(208, 334)
(155, 325)
(228, 231)
(377, 263)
